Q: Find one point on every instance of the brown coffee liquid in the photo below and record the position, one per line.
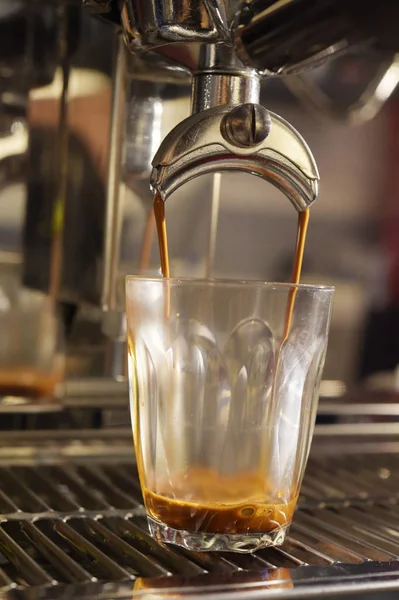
(28, 383)
(302, 229)
(159, 213)
(231, 504)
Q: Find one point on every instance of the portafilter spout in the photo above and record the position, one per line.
(229, 130)
(243, 137)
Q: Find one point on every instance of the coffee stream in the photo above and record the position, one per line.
(302, 229)
(246, 510)
(159, 213)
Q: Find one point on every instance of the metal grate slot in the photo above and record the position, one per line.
(342, 521)
(383, 479)
(116, 498)
(6, 504)
(282, 557)
(367, 527)
(387, 514)
(247, 562)
(356, 476)
(368, 482)
(70, 489)
(353, 550)
(185, 566)
(378, 482)
(355, 485)
(334, 552)
(81, 552)
(63, 568)
(317, 486)
(210, 563)
(47, 490)
(5, 580)
(126, 479)
(139, 538)
(70, 557)
(21, 495)
(101, 565)
(328, 479)
(20, 565)
(130, 471)
(325, 526)
(372, 528)
(74, 487)
(309, 493)
(116, 549)
(301, 553)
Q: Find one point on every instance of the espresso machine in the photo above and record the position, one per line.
(103, 97)
(95, 87)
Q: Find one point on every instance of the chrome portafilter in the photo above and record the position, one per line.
(244, 137)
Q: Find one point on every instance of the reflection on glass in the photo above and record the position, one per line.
(223, 405)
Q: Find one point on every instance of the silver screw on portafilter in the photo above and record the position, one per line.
(246, 125)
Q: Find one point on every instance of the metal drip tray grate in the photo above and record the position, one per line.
(82, 523)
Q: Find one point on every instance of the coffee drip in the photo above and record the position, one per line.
(160, 220)
(302, 228)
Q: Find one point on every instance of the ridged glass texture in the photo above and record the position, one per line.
(223, 405)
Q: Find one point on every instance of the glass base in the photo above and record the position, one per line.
(216, 542)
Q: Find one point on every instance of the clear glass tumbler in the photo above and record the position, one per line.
(31, 353)
(224, 388)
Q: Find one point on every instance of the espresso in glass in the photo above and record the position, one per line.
(224, 380)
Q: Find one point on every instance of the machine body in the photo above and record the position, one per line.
(150, 54)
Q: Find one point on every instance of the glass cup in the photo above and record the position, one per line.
(31, 353)
(224, 382)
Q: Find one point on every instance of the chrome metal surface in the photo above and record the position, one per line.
(366, 108)
(196, 146)
(79, 522)
(247, 125)
(154, 106)
(175, 29)
(113, 216)
(211, 89)
(143, 135)
(271, 36)
(286, 37)
(321, 32)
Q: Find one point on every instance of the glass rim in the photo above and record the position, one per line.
(231, 282)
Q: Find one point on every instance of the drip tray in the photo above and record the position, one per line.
(79, 530)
